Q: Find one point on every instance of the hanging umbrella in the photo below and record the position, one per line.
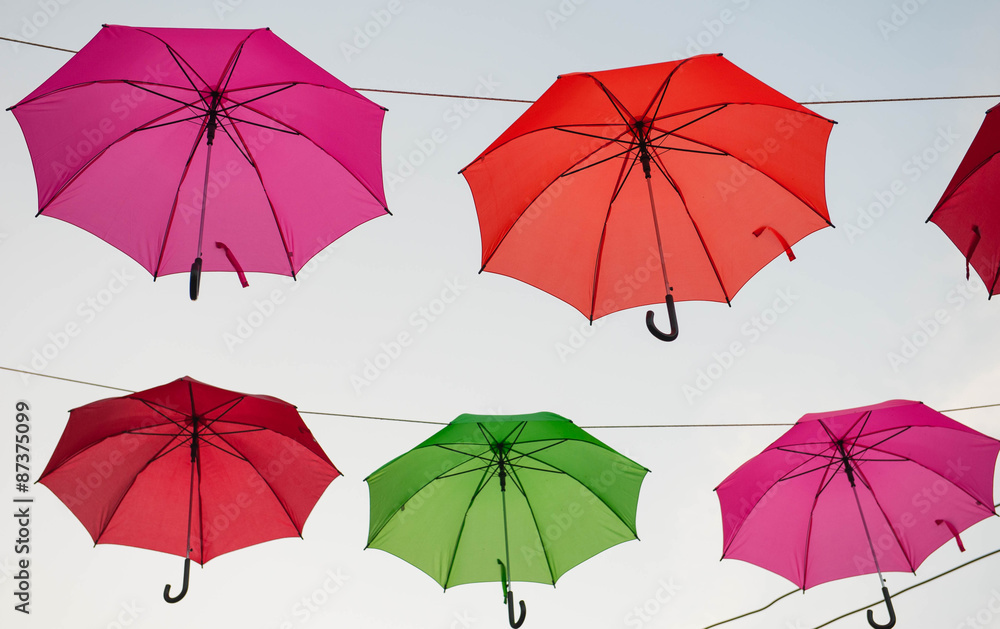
(967, 212)
(612, 179)
(225, 147)
(533, 493)
(859, 491)
(188, 469)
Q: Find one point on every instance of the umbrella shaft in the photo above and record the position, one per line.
(204, 192)
(656, 224)
(867, 534)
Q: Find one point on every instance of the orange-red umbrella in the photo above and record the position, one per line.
(611, 179)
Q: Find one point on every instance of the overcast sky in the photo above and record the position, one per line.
(876, 309)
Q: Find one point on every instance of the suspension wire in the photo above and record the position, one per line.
(437, 423)
(520, 100)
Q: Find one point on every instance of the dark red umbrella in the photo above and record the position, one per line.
(612, 179)
(969, 212)
(188, 469)
(858, 491)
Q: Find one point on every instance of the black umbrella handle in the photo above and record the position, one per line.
(184, 586)
(892, 613)
(514, 622)
(195, 278)
(672, 314)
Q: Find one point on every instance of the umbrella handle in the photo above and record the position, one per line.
(184, 586)
(510, 611)
(672, 314)
(195, 278)
(892, 613)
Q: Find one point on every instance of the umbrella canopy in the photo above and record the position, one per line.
(534, 492)
(967, 212)
(188, 469)
(122, 139)
(611, 180)
(858, 491)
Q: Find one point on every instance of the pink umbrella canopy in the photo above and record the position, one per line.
(223, 145)
(858, 491)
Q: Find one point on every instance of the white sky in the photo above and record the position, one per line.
(501, 346)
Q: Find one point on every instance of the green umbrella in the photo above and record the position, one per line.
(534, 493)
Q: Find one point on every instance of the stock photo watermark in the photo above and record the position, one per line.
(912, 170)
(35, 22)
(419, 321)
(714, 27)
(898, 17)
(425, 147)
(752, 331)
(368, 32)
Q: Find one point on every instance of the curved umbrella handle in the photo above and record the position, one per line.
(892, 613)
(184, 586)
(195, 278)
(515, 623)
(673, 322)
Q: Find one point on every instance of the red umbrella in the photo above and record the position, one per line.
(858, 491)
(188, 469)
(967, 212)
(611, 179)
(226, 147)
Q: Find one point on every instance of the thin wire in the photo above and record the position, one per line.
(520, 100)
(728, 620)
(433, 423)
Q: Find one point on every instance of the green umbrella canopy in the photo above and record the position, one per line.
(440, 507)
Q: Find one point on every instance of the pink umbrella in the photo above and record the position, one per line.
(226, 147)
(858, 491)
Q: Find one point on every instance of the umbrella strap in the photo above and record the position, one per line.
(236, 265)
(972, 248)
(867, 534)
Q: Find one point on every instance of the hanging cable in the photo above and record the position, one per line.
(525, 101)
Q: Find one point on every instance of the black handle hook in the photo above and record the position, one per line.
(195, 278)
(892, 613)
(672, 314)
(515, 623)
(184, 586)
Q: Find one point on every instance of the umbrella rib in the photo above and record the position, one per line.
(173, 206)
(458, 538)
(701, 238)
(121, 498)
(353, 174)
(530, 203)
(591, 135)
(583, 168)
(623, 174)
(885, 516)
(764, 174)
(177, 59)
(534, 519)
(809, 529)
(972, 172)
(94, 158)
(270, 203)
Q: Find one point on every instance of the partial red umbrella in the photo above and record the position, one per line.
(968, 212)
(858, 491)
(188, 469)
(612, 179)
(225, 147)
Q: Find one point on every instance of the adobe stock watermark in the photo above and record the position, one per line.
(419, 321)
(425, 147)
(913, 169)
(562, 12)
(262, 310)
(911, 343)
(703, 40)
(985, 615)
(224, 7)
(56, 342)
(368, 32)
(752, 332)
(33, 24)
(126, 615)
(899, 17)
(312, 603)
(644, 613)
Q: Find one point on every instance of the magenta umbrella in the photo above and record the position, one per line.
(224, 147)
(858, 491)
